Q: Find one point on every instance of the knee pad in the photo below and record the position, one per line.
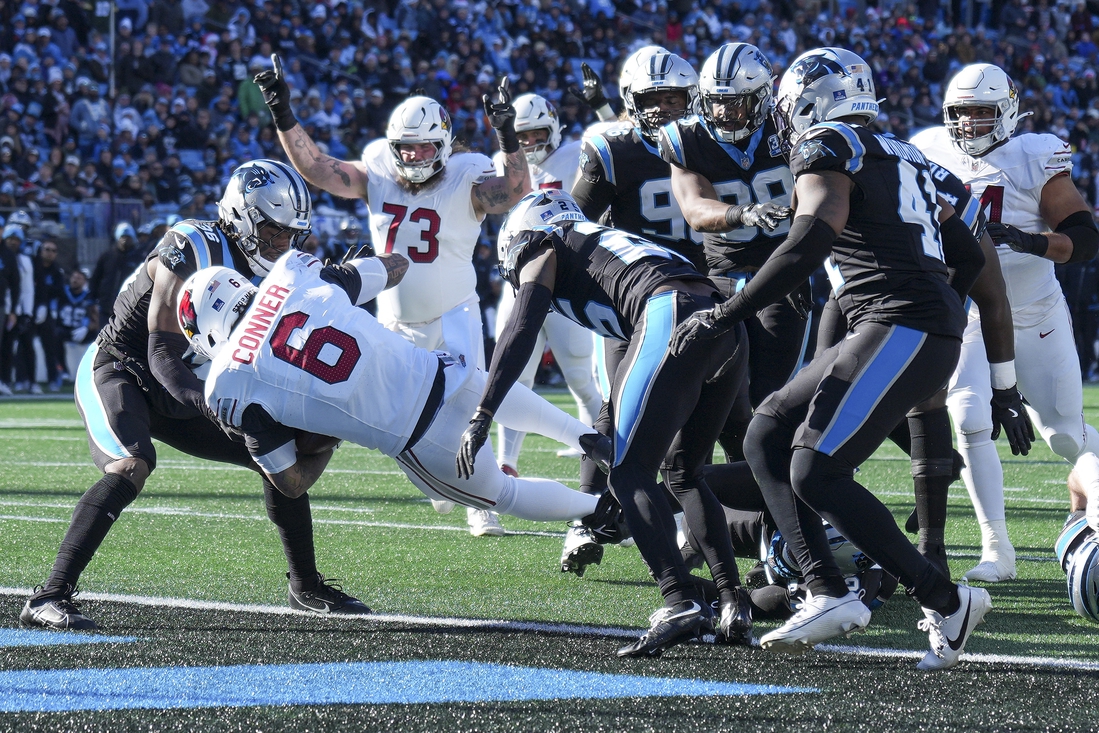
(969, 415)
(975, 439)
(1065, 445)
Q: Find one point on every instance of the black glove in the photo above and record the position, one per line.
(591, 93)
(501, 115)
(699, 326)
(1020, 241)
(472, 439)
(1008, 412)
(276, 93)
(766, 215)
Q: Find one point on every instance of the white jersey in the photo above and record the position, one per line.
(436, 229)
(559, 170)
(1008, 181)
(316, 362)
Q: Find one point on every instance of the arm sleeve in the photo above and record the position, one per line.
(809, 242)
(166, 363)
(963, 255)
(361, 279)
(516, 343)
(1080, 228)
(271, 444)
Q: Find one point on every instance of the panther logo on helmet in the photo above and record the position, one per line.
(253, 178)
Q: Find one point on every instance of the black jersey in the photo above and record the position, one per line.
(954, 192)
(751, 172)
(605, 276)
(188, 246)
(621, 170)
(72, 308)
(887, 264)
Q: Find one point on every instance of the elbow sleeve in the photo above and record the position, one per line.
(1080, 228)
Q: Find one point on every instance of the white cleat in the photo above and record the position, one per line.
(442, 506)
(580, 550)
(483, 523)
(994, 567)
(820, 618)
(949, 635)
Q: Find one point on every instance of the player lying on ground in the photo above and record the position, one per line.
(298, 354)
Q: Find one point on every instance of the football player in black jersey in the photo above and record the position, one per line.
(868, 201)
(733, 184)
(135, 384)
(624, 287)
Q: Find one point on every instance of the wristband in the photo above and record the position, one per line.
(733, 214)
(1003, 375)
(509, 140)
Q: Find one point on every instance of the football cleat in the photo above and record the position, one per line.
(994, 569)
(671, 625)
(581, 550)
(483, 523)
(55, 611)
(948, 635)
(598, 448)
(442, 506)
(820, 618)
(734, 621)
(327, 599)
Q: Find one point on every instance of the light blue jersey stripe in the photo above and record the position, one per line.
(970, 214)
(893, 357)
(633, 395)
(671, 131)
(95, 416)
(858, 151)
(601, 366)
(600, 144)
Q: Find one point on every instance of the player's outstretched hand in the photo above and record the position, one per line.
(1008, 412)
(1020, 241)
(472, 439)
(699, 326)
(591, 91)
(276, 93)
(500, 112)
(767, 215)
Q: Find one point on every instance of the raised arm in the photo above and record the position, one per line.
(344, 178)
(497, 195)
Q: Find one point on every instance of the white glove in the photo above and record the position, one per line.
(79, 334)
(40, 314)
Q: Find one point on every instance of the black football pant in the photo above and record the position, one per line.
(807, 439)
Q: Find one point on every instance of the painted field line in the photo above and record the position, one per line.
(540, 627)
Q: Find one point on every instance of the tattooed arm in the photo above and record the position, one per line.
(343, 178)
(497, 195)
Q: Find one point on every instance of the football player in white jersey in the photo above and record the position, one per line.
(297, 354)
(552, 165)
(1037, 218)
(426, 205)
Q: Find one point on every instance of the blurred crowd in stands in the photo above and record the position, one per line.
(162, 107)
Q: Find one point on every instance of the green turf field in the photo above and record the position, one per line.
(199, 540)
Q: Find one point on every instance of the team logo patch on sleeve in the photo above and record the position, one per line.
(813, 150)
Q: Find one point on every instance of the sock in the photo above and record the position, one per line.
(92, 518)
(543, 500)
(295, 524)
(932, 469)
(523, 410)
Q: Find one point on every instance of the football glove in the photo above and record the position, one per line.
(1020, 241)
(276, 93)
(501, 115)
(473, 438)
(699, 326)
(591, 92)
(1008, 412)
(767, 215)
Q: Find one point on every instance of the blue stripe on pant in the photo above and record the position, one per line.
(892, 357)
(95, 417)
(652, 337)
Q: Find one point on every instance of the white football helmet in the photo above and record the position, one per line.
(420, 120)
(821, 85)
(653, 68)
(536, 210)
(981, 85)
(533, 112)
(270, 196)
(736, 75)
(1083, 579)
(210, 303)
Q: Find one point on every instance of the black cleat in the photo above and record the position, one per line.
(55, 611)
(598, 448)
(671, 625)
(326, 599)
(734, 622)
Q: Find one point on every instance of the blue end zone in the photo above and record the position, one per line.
(27, 637)
(375, 683)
